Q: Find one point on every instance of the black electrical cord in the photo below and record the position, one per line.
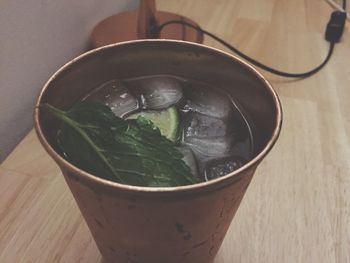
(246, 57)
(344, 5)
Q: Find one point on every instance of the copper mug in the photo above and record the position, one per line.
(160, 225)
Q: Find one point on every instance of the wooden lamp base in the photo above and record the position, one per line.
(132, 25)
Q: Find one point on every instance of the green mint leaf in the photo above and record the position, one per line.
(126, 151)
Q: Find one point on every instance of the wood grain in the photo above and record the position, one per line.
(297, 208)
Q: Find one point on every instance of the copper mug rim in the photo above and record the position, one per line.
(142, 189)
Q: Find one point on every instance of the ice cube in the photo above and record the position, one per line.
(115, 95)
(206, 135)
(159, 92)
(202, 126)
(209, 147)
(221, 167)
(208, 102)
(189, 159)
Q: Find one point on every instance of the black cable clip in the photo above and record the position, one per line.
(335, 26)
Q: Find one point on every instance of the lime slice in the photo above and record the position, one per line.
(166, 120)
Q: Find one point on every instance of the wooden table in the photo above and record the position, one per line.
(297, 208)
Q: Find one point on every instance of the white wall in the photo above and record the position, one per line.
(36, 38)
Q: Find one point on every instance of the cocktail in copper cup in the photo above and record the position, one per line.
(163, 224)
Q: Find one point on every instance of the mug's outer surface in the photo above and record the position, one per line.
(158, 228)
